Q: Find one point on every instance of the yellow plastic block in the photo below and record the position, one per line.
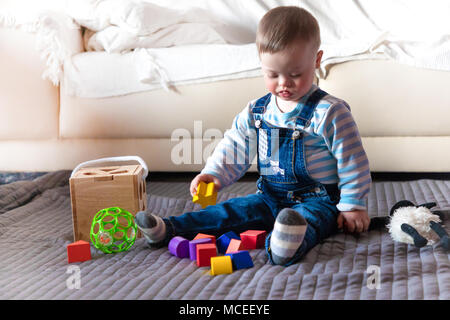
(206, 195)
(221, 265)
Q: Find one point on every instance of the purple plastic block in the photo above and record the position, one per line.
(179, 246)
(193, 246)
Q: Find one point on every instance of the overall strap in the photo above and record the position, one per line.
(260, 106)
(307, 112)
(258, 110)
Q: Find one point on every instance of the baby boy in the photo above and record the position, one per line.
(314, 173)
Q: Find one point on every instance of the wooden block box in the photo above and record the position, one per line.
(93, 189)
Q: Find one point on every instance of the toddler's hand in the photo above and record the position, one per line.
(207, 178)
(354, 221)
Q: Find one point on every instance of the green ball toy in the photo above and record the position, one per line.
(113, 230)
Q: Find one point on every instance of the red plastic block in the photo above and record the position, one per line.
(253, 239)
(78, 251)
(204, 253)
(234, 246)
(202, 236)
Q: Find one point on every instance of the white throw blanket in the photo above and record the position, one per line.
(101, 74)
(118, 26)
(412, 32)
(163, 43)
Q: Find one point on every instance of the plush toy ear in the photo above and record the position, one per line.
(428, 205)
(401, 204)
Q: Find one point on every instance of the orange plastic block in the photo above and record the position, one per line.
(204, 254)
(203, 235)
(234, 246)
(206, 195)
(253, 239)
(78, 251)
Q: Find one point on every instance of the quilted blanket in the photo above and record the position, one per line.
(36, 227)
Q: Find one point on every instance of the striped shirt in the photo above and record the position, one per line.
(333, 149)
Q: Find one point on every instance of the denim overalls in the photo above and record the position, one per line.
(284, 182)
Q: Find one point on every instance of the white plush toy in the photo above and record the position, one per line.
(417, 225)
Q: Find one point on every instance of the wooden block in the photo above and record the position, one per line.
(241, 259)
(221, 265)
(224, 240)
(179, 247)
(253, 239)
(94, 189)
(206, 195)
(202, 235)
(204, 253)
(78, 251)
(234, 246)
(193, 246)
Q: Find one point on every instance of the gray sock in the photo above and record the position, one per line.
(287, 235)
(152, 227)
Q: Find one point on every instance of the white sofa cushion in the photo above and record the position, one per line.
(401, 154)
(396, 108)
(391, 99)
(157, 113)
(28, 104)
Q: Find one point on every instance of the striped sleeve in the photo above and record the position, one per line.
(343, 140)
(234, 154)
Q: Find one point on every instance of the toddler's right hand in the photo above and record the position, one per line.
(204, 177)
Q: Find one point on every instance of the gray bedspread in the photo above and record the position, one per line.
(36, 227)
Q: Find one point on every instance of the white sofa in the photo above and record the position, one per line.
(403, 114)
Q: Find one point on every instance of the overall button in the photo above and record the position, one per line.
(298, 199)
(258, 123)
(290, 195)
(297, 134)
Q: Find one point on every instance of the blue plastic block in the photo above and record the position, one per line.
(224, 240)
(241, 260)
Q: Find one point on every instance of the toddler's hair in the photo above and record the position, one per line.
(281, 26)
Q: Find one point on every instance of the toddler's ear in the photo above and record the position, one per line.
(319, 58)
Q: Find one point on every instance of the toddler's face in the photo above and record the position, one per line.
(289, 74)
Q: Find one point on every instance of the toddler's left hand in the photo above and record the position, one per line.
(354, 221)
